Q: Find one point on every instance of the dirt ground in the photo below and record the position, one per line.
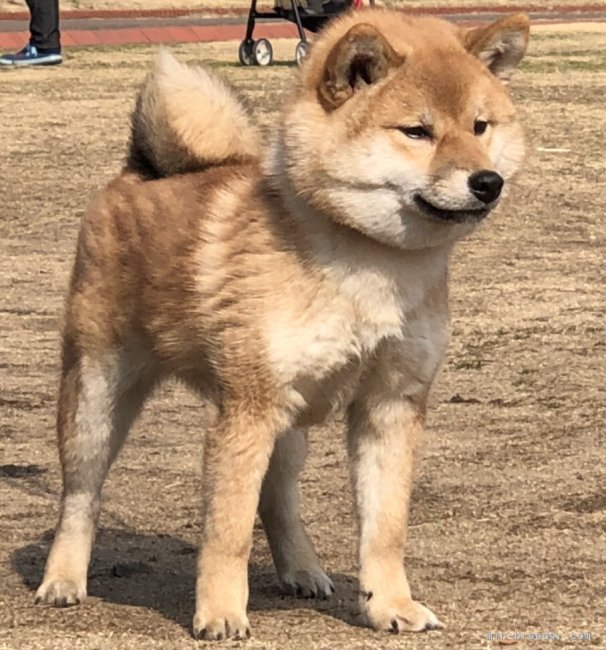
(507, 528)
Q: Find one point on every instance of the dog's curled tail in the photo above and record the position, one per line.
(187, 119)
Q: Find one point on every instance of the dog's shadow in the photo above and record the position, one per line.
(158, 572)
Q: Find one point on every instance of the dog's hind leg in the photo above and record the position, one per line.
(294, 556)
(99, 399)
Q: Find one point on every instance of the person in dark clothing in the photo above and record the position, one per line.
(44, 47)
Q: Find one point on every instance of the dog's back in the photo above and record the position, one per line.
(161, 247)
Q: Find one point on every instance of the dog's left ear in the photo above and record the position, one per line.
(360, 58)
(500, 46)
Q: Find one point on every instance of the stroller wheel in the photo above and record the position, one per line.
(245, 53)
(262, 52)
(301, 51)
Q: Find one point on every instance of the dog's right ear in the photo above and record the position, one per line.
(361, 58)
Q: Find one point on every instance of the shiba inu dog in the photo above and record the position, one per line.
(279, 282)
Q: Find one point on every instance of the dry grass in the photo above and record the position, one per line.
(508, 519)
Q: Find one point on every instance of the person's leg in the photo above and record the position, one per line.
(44, 25)
(44, 47)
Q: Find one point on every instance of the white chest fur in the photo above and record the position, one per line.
(320, 349)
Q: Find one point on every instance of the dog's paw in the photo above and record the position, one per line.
(60, 593)
(220, 627)
(307, 583)
(398, 615)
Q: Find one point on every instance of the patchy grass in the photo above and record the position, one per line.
(547, 67)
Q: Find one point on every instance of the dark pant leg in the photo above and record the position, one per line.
(44, 24)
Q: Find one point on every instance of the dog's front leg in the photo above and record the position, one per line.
(236, 456)
(383, 433)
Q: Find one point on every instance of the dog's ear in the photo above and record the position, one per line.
(361, 58)
(500, 46)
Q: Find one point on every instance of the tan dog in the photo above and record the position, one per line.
(279, 285)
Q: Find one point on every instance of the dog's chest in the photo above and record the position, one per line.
(317, 398)
(321, 351)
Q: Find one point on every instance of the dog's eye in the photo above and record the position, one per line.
(416, 132)
(479, 127)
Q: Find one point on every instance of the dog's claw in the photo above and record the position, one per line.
(312, 583)
(433, 626)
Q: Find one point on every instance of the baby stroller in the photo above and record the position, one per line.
(307, 15)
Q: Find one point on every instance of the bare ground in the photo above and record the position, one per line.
(507, 530)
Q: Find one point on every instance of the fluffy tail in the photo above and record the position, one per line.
(187, 119)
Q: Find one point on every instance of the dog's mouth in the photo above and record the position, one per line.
(451, 215)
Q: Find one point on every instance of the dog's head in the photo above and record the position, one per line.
(402, 128)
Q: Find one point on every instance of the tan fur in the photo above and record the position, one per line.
(283, 289)
(187, 119)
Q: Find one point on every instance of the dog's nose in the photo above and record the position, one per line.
(485, 185)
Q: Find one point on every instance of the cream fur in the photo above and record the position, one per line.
(188, 118)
